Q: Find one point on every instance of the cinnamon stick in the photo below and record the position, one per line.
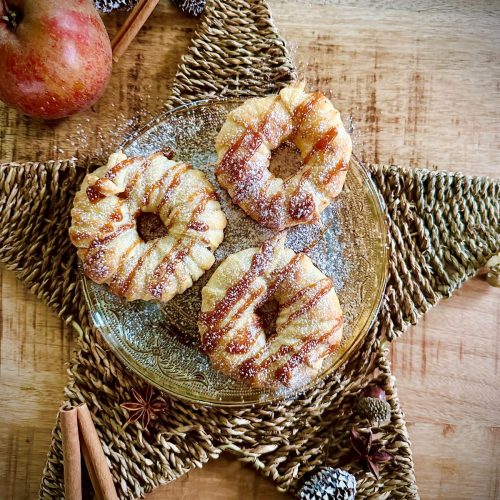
(93, 454)
(131, 27)
(91, 471)
(71, 454)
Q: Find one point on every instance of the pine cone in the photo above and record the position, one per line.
(191, 7)
(375, 410)
(329, 484)
(109, 5)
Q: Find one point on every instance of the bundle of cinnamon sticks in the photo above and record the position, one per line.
(79, 436)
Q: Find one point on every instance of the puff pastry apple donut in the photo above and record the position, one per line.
(104, 226)
(308, 324)
(258, 126)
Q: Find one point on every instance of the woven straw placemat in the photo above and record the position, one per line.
(442, 227)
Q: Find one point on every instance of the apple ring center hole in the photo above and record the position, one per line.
(150, 226)
(268, 313)
(285, 161)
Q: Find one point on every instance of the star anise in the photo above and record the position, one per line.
(369, 454)
(145, 407)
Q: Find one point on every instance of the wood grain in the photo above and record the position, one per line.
(421, 81)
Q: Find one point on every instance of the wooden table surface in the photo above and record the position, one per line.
(421, 81)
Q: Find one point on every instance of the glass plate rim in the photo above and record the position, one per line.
(136, 367)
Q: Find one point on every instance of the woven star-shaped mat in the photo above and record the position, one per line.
(442, 228)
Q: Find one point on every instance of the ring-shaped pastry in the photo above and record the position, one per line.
(308, 319)
(250, 133)
(104, 226)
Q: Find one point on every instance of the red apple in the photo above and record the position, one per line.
(55, 56)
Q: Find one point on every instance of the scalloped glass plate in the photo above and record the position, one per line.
(161, 342)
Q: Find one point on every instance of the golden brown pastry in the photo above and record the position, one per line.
(104, 226)
(258, 126)
(308, 325)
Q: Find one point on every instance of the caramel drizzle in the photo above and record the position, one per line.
(309, 305)
(176, 180)
(341, 166)
(270, 210)
(97, 249)
(285, 372)
(179, 208)
(302, 110)
(213, 337)
(98, 242)
(322, 144)
(156, 185)
(126, 254)
(233, 163)
(160, 182)
(212, 319)
(79, 236)
(200, 207)
(94, 193)
(125, 285)
(166, 267)
(250, 368)
(299, 295)
(250, 139)
(133, 182)
(241, 188)
(300, 208)
(280, 275)
(244, 340)
(115, 216)
(198, 226)
(116, 169)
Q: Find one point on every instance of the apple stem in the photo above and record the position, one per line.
(11, 16)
